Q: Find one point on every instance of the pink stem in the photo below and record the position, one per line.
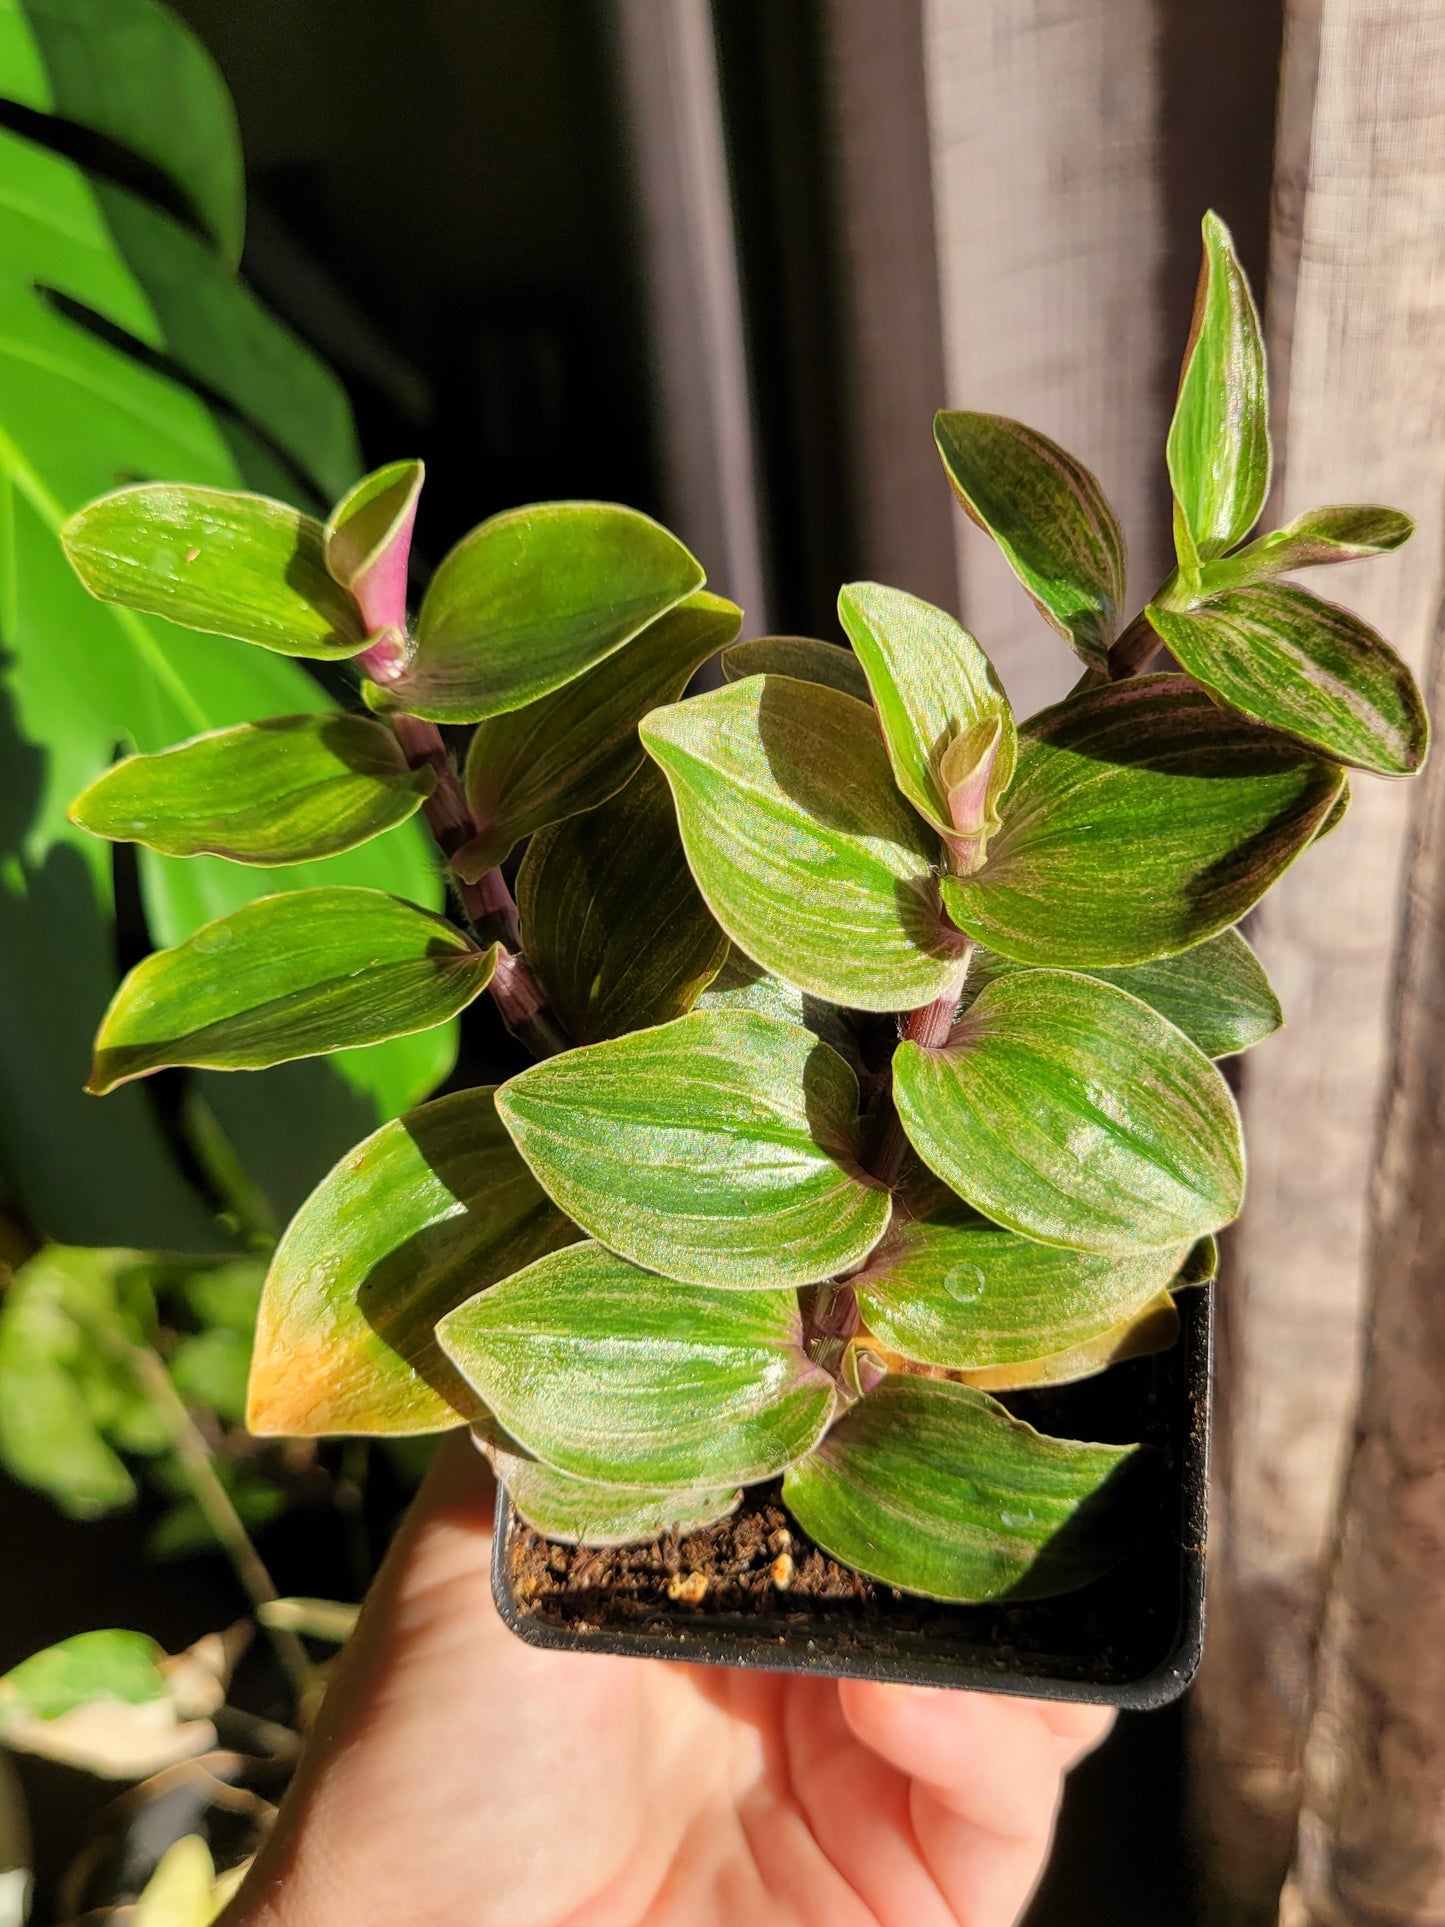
(929, 1027)
(488, 903)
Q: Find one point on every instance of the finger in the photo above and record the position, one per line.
(987, 1776)
(987, 1880)
(997, 1763)
(1081, 1728)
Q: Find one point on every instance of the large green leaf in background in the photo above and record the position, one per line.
(85, 265)
(70, 1401)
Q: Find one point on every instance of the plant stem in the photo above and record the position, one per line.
(1134, 649)
(198, 1464)
(929, 1027)
(489, 905)
(518, 996)
(446, 808)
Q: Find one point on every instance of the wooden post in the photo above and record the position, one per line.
(1357, 325)
(1371, 1845)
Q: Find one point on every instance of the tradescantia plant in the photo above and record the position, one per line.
(874, 1026)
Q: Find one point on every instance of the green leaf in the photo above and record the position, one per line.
(108, 67)
(954, 1290)
(179, 1892)
(800, 657)
(946, 722)
(532, 599)
(79, 1671)
(289, 976)
(740, 984)
(109, 1703)
(355, 1088)
(801, 845)
(1201, 1267)
(183, 1531)
(429, 1209)
(612, 923)
(571, 750)
(112, 308)
(1317, 536)
(209, 1368)
(226, 1296)
(1216, 993)
(1149, 1331)
(721, 1149)
(70, 1400)
(1142, 819)
(579, 1512)
(1069, 1111)
(1219, 437)
(50, 1441)
(367, 541)
(934, 1488)
(1338, 814)
(1050, 518)
(287, 790)
(226, 563)
(1306, 667)
(608, 1373)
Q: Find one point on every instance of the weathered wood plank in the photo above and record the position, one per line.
(1371, 1843)
(1357, 325)
(1048, 198)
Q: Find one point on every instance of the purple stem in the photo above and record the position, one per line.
(488, 903)
(1134, 650)
(930, 1027)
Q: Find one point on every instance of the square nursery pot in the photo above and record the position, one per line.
(1132, 1638)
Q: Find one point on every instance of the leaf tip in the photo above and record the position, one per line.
(107, 1073)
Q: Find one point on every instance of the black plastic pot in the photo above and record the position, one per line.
(1132, 1638)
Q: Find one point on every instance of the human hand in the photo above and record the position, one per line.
(458, 1776)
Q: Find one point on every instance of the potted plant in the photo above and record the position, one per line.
(874, 1033)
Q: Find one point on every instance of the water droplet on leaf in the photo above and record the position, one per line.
(964, 1284)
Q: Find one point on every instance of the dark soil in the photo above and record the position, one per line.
(755, 1561)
